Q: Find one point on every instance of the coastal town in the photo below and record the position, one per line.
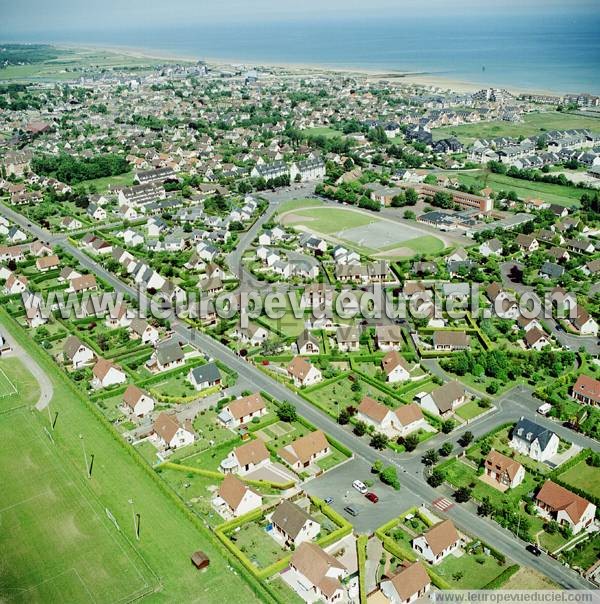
(171, 439)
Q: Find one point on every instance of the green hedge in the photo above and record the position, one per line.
(361, 552)
(502, 578)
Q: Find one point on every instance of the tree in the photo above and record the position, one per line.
(411, 442)
(409, 215)
(485, 508)
(447, 426)
(379, 441)
(446, 449)
(360, 428)
(462, 495)
(411, 197)
(286, 412)
(389, 476)
(377, 466)
(344, 417)
(430, 457)
(466, 439)
(436, 478)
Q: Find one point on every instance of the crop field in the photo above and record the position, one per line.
(534, 124)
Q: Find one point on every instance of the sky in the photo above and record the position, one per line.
(47, 16)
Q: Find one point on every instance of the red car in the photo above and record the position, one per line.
(372, 497)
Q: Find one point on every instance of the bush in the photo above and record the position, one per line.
(389, 476)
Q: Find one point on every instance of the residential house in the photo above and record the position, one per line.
(536, 339)
(77, 353)
(170, 434)
(395, 367)
(587, 390)
(204, 376)
(140, 329)
(583, 322)
(450, 340)
(305, 450)
(533, 440)
(444, 400)
(565, 507)
(492, 247)
(47, 263)
(410, 583)
(168, 355)
(236, 497)
(137, 402)
(348, 339)
(303, 373)
(292, 525)
(438, 542)
(388, 337)
(246, 458)
(106, 373)
(507, 472)
(319, 574)
(243, 410)
(307, 343)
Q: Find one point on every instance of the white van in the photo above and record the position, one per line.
(361, 487)
(544, 409)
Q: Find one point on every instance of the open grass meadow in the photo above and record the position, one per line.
(534, 124)
(52, 508)
(525, 189)
(329, 220)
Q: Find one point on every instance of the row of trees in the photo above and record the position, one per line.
(72, 170)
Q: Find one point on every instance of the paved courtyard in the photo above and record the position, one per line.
(380, 234)
(337, 483)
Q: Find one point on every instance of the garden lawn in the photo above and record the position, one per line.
(583, 477)
(68, 504)
(337, 395)
(331, 460)
(466, 572)
(261, 549)
(470, 410)
(460, 474)
(587, 553)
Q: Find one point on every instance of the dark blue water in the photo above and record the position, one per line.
(541, 52)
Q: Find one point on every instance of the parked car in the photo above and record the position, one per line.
(349, 509)
(328, 500)
(361, 487)
(534, 549)
(372, 497)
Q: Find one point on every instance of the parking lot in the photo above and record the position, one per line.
(337, 483)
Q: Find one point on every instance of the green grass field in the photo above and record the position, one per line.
(298, 204)
(168, 534)
(329, 220)
(57, 542)
(534, 124)
(322, 131)
(583, 477)
(102, 184)
(17, 386)
(332, 221)
(565, 196)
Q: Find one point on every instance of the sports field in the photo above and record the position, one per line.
(57, 543)
(367, 233)
(534, 124)
(17, 386)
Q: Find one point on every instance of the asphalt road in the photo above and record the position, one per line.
(409, 470)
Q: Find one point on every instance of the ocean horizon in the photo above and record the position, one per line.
(534, 52)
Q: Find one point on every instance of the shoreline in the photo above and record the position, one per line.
(425, 79)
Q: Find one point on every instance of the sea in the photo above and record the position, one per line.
(537, 51)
